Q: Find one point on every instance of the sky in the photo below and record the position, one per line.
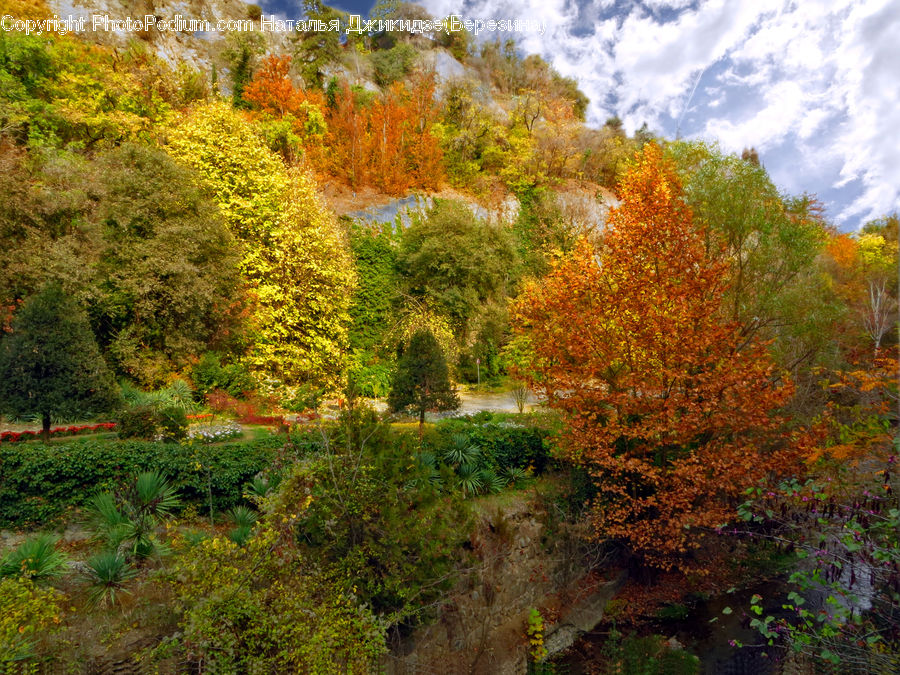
(813, 85)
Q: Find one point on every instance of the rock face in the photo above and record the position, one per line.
(408, 207)
(517, 564)
(183, 43)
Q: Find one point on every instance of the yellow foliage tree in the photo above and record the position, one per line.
(295, 259)
(305, 279)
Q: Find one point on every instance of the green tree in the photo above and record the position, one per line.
(457, 263)
(50, 363)
(394, 63)
(376, 522)
(167, 285)
(60, 91)
(135, 239)
(315, 50)
(240, 53)
(262, 608)
(304, 279)
(247, 180)
(375, 253)
(770, 243)
(422, 381)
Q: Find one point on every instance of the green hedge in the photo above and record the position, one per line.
(504, 444)
(38, 482)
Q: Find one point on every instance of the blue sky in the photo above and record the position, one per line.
(814, 85)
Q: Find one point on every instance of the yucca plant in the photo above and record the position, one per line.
(428, 472)
(470, 479)
(515, 475)
(177, 394)
(106, 574)
(241, 534)
(128, 522)
(243, 516)
(461, 451)
(35, 558)
(152, 494)
(108, 522)
(491, 482)
(180, 395)
(258, 488)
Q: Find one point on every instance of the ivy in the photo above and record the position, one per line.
(40, 482)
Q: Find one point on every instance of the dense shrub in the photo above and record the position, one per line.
(149, 422)
(26, 613)
(138, 422)
(504, 445)
(247, 412)
(173, 423)
(394, 63)
(210, 374)
(371, 379)
(40, 481)
(372, 520)
(372, 312)
(246, 610)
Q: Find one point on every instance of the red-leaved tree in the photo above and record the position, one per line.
(668, 407)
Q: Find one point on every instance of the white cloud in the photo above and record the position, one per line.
(813, 83)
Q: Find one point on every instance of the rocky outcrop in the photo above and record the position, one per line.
(518, 563)
(183, 43)
(406, 208)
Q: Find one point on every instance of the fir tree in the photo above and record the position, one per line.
(50, 363)
(422, 382)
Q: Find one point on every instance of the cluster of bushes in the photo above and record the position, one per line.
(210, 374)
(40, 482)
(247, 412)
(503, 445)
(167, 424)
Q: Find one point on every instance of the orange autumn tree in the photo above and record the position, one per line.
(666, 405)
(274, 96)
(385, 140)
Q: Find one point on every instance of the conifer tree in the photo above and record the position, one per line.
(422, 382)
(50, 363)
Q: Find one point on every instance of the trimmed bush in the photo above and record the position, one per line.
(39, 482)
(26, 613)
(148, 422)
(138, 422)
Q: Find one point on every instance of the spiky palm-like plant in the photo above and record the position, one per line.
(243, 516)
(258, 488)
(515, 475)
(35, 558)
(241, 534)
(492, 483)
(470, 479)
(461, 451)
(128, 521)
(106, 574)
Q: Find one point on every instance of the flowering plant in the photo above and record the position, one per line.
(16, 436)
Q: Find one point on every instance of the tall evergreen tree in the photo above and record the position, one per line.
(50, 363)
(422, 381)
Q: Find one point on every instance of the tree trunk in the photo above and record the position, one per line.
(45, 432)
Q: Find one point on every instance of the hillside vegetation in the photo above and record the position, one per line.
(179, 273)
